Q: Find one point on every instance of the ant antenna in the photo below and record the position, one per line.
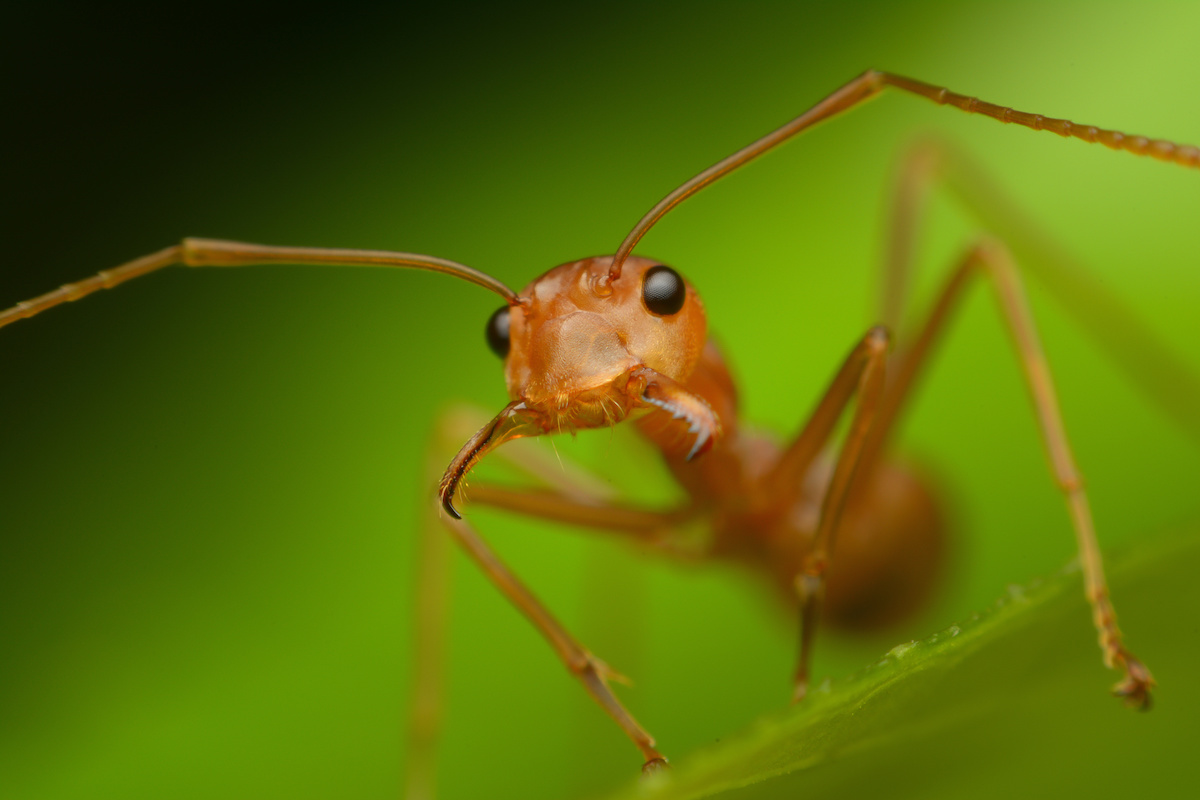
(866, 86)
(216, 253)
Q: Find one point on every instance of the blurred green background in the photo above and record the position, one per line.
(211, 478)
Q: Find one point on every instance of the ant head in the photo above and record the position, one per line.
(575, 337)
(585, 349)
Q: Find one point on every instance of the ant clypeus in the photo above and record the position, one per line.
(595, 342)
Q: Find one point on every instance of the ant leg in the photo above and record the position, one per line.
(1166, 379)
(432, 597)
(593, 673)
(861, 374)
(992, 260)
(432, 607)
(649, 528)
(573, 497)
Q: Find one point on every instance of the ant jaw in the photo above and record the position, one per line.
(514, 422)
(641, 387)
(666, 394)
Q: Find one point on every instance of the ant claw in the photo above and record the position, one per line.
(1134, 695)
(1134, 690)
(655, 766)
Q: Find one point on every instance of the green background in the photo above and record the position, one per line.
(211, 479)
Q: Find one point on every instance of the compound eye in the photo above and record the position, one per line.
(497, 332)
(663, 291)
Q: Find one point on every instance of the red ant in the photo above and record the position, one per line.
(848, 537)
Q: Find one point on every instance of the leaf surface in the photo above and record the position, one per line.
(1011, 700)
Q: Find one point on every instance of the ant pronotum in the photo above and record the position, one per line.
(594, 342)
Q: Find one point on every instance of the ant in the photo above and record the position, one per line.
(844, 534)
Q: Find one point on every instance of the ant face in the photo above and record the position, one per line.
(574, 340)
(585, 348)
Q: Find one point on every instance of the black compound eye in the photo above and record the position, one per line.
(497, 332)
(663, 290)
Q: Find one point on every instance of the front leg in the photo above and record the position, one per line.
(593, 673)
(565, 493)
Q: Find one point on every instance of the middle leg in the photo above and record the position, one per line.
(861, 375)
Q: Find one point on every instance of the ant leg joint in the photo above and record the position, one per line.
(986, 252)
(808, 582)
(581, 664)
(1071, 483)
(879, 338)
(587, 667)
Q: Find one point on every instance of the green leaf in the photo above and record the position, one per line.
(1011, 700)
